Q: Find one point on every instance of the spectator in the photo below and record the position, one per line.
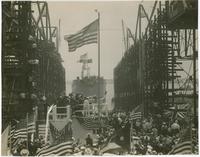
(89, 141)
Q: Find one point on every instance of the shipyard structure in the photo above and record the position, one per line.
(152, 72)
(32, 70)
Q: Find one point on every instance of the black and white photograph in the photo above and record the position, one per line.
(99, 78)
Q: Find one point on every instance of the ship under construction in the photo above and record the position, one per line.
(152, 72)
(32, 70)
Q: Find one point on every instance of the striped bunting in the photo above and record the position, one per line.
(59, 150)
(87, 35)
(91, 123)
(137, 115)
(182, 148)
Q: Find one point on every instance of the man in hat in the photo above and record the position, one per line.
(89, 141)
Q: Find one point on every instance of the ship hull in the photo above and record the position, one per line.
(89, 87)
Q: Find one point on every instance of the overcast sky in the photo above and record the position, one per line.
(76, 15)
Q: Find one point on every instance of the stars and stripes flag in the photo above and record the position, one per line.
(87, 35)
(11, 135)
(58, 149)
(18, 132)
(21, 130)
(41, 129)
(135, 115)
(31, 124)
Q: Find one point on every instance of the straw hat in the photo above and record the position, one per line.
(82, 148)
(24, 152)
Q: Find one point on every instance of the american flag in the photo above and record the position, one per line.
(41, 130)
(22, 129)
(18, 132)
(136, 115)
(10, 137)
(87, 35)
(58, 149)
(185, 144)
(31, 123)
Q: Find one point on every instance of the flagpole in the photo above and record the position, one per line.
(131, 137)
(98, 64)
(27, 129)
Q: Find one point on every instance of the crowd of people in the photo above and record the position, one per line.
(23, 148)
(156, 137)
(152, 135)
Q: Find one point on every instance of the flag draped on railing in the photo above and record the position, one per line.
(87, 35)
(89, 123)
(60, 136)
(92, 123)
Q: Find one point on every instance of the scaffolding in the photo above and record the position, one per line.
(32, 72)
(168, 43)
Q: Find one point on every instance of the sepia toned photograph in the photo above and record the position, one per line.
(99, 78)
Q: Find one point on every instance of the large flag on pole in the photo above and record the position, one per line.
(87, 35)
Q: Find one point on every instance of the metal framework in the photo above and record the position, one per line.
(166, 58)
(31, 65)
